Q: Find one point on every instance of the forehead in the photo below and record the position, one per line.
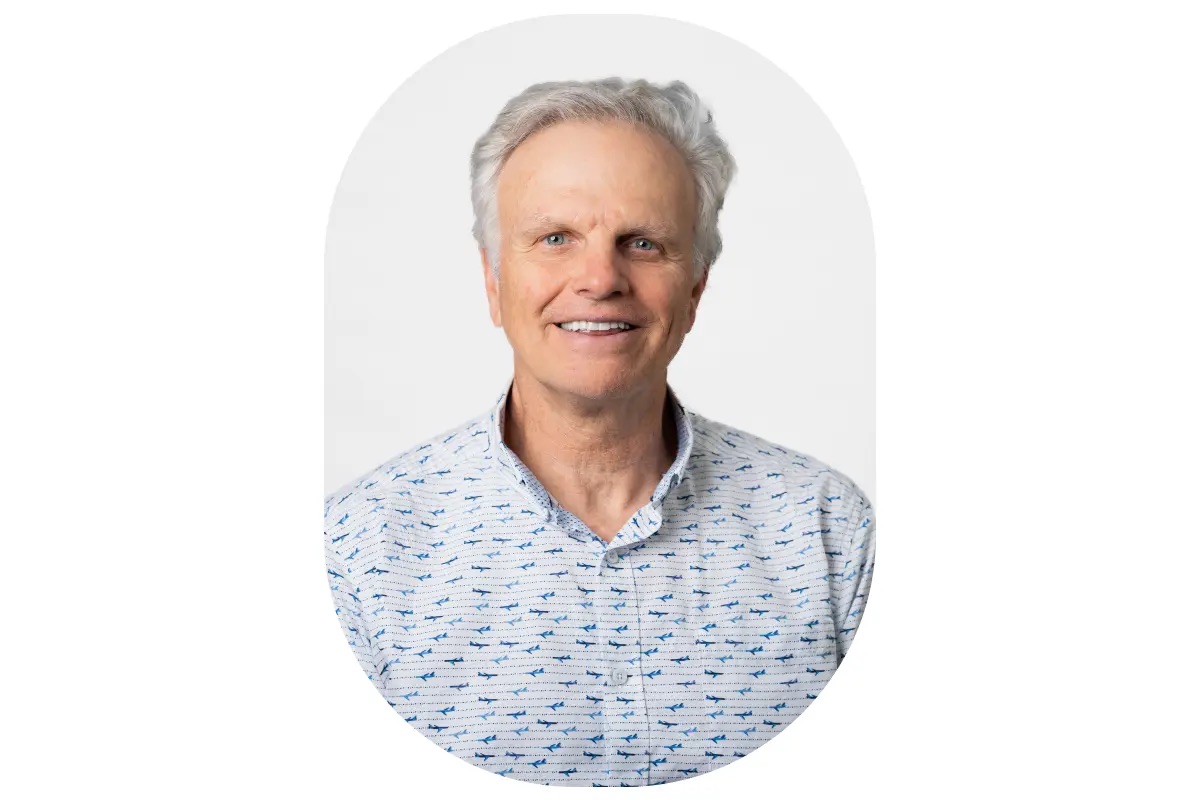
(593, 170)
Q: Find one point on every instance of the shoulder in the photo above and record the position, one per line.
(807, 479)
(394, 482)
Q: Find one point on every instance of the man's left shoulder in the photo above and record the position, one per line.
(805, 476)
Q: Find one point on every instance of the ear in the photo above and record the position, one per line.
(697, 290)
(492, 288)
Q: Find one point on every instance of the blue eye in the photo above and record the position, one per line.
(553, 236)
(651, 244)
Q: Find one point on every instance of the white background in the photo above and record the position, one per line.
(784, 339)
(166, 178)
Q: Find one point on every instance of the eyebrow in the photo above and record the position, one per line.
(538, 222)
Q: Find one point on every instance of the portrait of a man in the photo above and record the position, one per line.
(589, 583)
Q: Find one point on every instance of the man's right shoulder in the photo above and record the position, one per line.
(403, 474)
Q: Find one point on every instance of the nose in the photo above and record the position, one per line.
(601, 272)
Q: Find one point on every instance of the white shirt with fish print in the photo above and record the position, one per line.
(495, 623)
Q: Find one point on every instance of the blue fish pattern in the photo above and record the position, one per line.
(504, 630)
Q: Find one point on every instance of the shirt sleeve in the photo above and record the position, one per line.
(347, 602)
(853, 570)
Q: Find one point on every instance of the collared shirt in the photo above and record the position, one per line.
(503, 629)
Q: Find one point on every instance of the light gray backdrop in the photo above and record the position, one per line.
(783, 345)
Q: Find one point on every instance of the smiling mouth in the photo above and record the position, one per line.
(611, 332)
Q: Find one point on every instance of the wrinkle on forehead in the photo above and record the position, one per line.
(617, 220)
(583, 175)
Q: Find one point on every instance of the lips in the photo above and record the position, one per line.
(607, 321)
(613, 334)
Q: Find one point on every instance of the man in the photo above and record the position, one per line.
(589, 583)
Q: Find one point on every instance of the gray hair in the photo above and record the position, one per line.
(673, 110)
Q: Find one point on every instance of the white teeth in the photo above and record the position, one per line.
(593, 326)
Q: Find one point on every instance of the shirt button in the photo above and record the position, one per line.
(619, 676)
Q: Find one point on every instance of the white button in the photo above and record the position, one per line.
(619, 676)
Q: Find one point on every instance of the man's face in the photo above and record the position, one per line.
(595, 222)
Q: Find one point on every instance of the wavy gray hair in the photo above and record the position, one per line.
(673, 110)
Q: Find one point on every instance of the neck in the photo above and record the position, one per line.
(592, 456)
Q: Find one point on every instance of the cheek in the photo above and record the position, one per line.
(528, 301)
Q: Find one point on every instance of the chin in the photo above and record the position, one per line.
(601, 385)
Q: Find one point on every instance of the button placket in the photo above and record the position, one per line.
(625, 722)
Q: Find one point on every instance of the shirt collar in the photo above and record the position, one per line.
(524, 480)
